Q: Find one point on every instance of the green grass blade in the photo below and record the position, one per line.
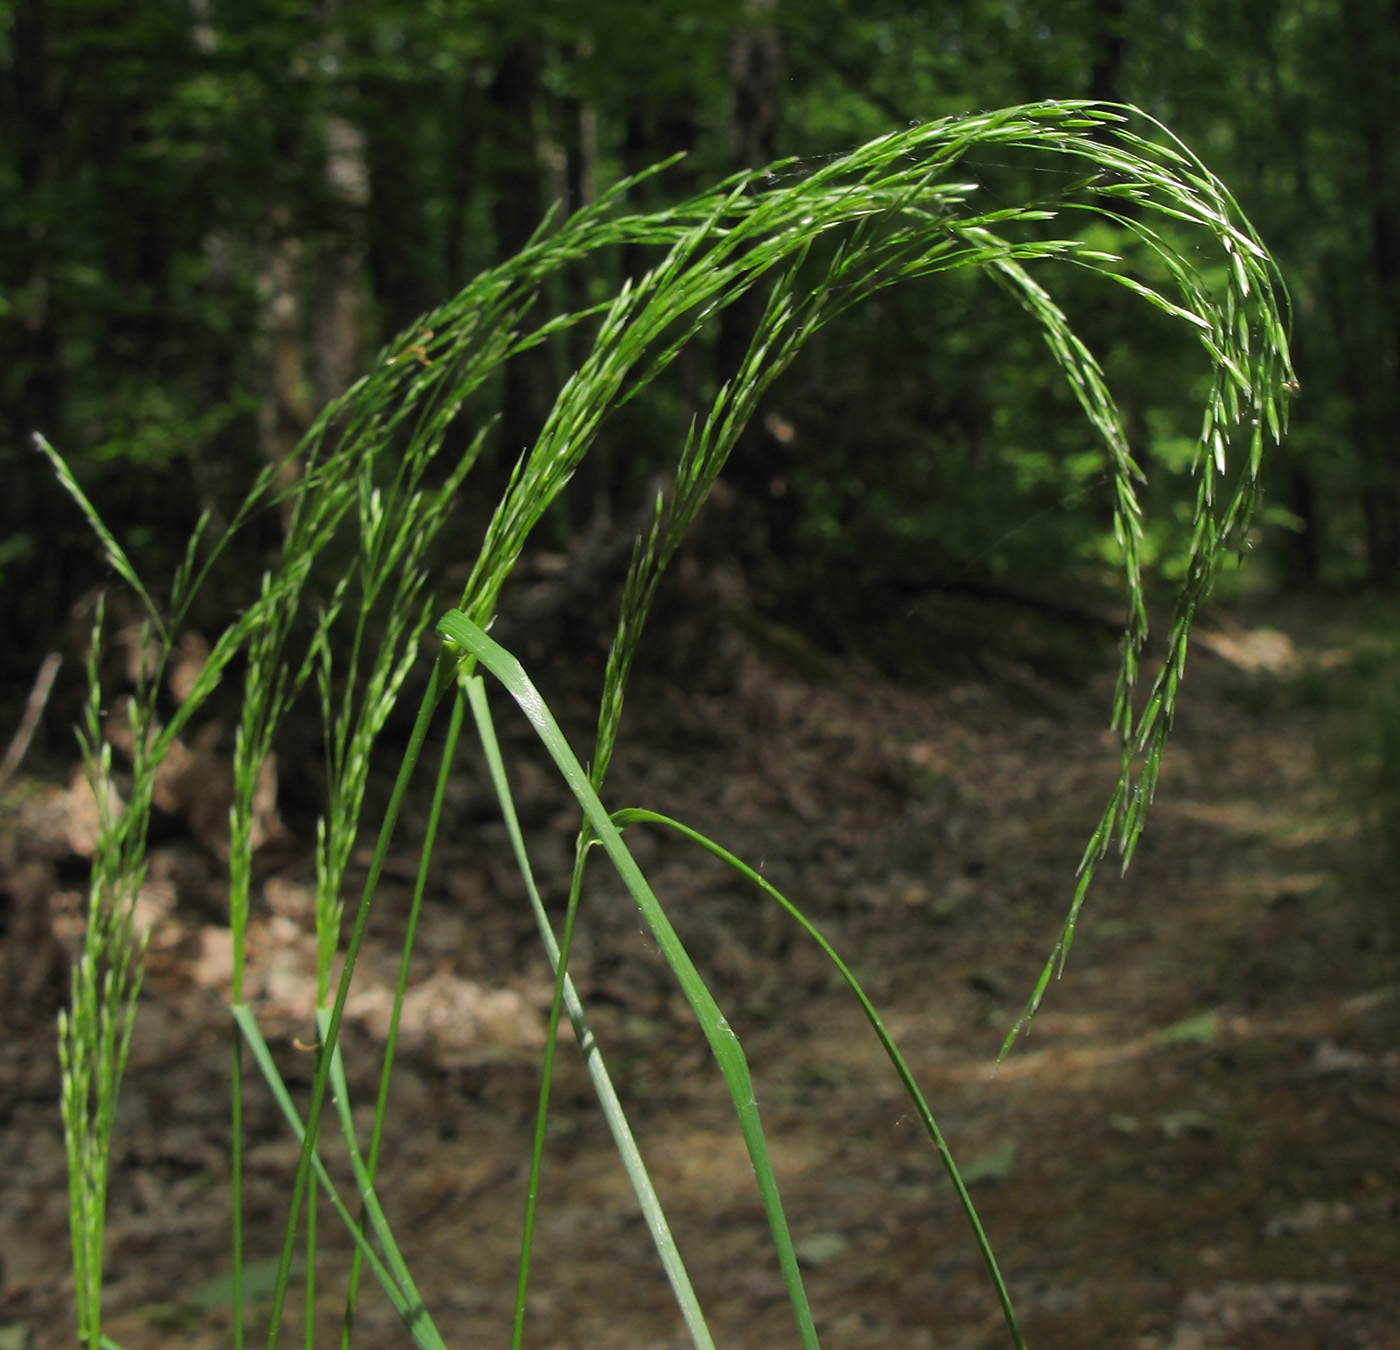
(403, 1295)
(398, 1267)
(638, 815)
(623, 1139)
(551, 1044)
(437, 686)
(449, 750)
(236, 1182)
(724, 1044)
(121, 564)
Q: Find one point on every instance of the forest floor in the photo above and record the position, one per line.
(1196, 1146)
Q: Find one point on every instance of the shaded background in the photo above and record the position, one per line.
(212, 214)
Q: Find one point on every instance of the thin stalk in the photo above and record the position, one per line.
(616, 1117)
(532, 1192)
(449, 751)
(398, 1267)
(437, 686)
(394, 1278)
(637, 815)
(236, 1178)
(724, 1044)
(308, 1333)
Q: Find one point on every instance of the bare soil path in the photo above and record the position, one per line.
(1197, 1147)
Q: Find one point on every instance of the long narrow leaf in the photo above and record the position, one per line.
(613, 1113)
(401, 1292)
(639, 815)
(724, 1044)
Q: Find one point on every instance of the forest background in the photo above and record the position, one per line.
(211, 214)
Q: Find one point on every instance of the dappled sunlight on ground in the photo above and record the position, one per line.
(1193, 1148)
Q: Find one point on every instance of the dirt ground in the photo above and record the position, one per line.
(1195, 1148)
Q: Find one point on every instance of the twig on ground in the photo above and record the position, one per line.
(33, 711)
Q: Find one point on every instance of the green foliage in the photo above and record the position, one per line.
(174, 177)
(380, 468)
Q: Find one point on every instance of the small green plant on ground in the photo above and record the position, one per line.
(375, 480)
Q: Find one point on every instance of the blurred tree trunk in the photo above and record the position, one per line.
(1374, 39)
(758, 464)
(578, 133)
(517, 206)
(1106, 74)
(296, 383)
(650, 135)
(460, 180)
(655, 127)
(399, 244)
(1288, 152)
(757, 72)
(32, 116)
(339, 308)
(1384, 163)
(592, 505)
(284, 392)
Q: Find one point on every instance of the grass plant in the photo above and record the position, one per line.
(375, 480)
